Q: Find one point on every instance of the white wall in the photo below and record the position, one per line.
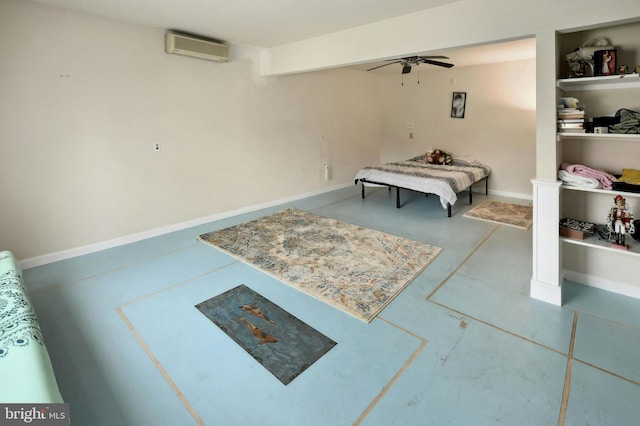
(498, 128)
(84, 98)
(459, 24)
(77, 165)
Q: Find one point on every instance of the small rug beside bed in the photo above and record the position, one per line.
(503, 213)
(355, 269)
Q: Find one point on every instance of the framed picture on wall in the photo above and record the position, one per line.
(458, 104)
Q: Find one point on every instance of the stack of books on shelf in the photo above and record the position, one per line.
(571, 120)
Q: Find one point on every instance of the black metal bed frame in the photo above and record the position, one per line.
(398, 188)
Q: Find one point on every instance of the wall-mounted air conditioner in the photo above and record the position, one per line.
(189, 45)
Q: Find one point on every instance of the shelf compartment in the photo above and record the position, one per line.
(629, 81)
(600, 191)
(594, 242)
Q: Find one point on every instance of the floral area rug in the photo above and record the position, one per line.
(355, 269)
(503, 213)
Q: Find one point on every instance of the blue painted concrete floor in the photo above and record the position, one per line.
(463, 344)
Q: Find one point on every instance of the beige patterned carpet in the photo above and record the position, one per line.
(503, 213)
(355, 269)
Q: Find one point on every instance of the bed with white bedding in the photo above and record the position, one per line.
(446, 181)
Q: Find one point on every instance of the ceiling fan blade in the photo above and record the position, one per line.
(440, 64)
(383, 65)
(433, 57)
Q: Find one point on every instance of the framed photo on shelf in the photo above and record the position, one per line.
(605, 62)
(458, 104)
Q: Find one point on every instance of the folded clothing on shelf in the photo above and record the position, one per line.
(626, 187)
(629, 122)
(571, 179)
(604, 178)
(630, 176)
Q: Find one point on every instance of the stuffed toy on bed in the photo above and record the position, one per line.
(438, 157)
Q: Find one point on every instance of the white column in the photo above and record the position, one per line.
(546, 282)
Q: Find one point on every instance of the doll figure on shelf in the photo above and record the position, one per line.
(619, 223)
(606, 63)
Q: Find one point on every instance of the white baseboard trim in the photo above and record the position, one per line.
(128, 239)
(603, 284)
(546, 292)
(528, 197)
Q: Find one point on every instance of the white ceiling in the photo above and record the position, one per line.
(261, 23)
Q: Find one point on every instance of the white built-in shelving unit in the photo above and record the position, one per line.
(620, 150)
(596, 243)
(628, 81)
(598, 137)
(600, 191)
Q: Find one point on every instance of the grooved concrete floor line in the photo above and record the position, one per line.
(462, 344)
